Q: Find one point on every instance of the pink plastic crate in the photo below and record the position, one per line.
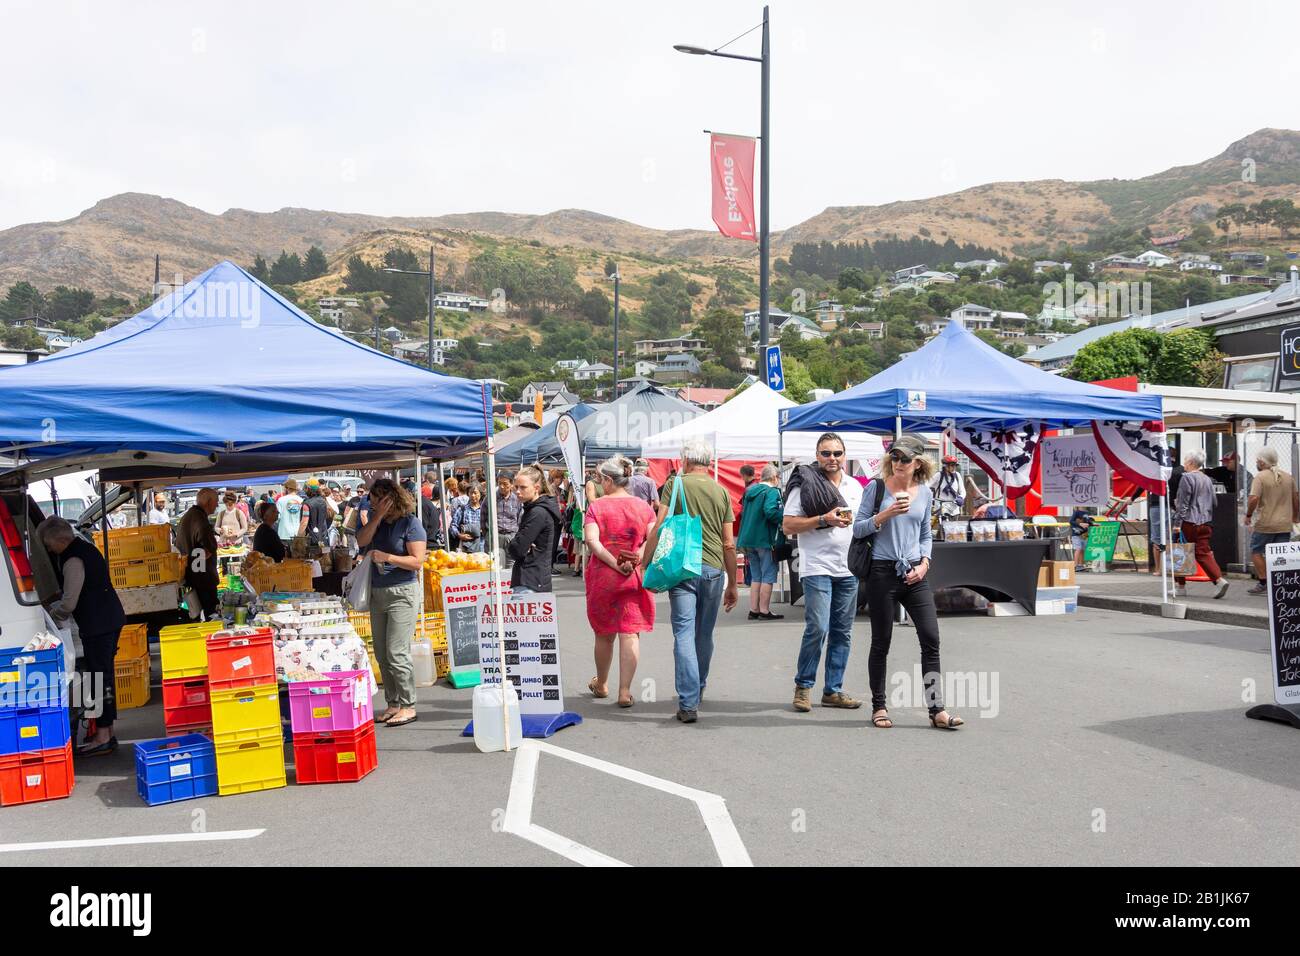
(338, 702)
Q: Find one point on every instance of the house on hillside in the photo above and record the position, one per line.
(588, 371)
(1042, 265)
(902, 275)
(566, 366)
(973, 316)
(1118, 261)
(828, 314)
(873, 330)
(1169, 240)
(1154, 260)
(1227, 279)
(984, 265)
(683, 367)
(659, 348)
(998, 284)
(1192, 261)
(1254, 260)
(548, 390)
(806, 328)
(707, 398)
(774, 317)
(459, 302)
(416, 351)
(929, 278)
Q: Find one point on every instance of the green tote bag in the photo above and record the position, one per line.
(679, 555)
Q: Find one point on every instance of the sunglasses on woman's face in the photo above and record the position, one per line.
(827, 453)
(901, 457)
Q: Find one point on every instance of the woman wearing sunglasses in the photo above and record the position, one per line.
(900, 560)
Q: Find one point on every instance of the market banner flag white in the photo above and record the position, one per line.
(1008, 456)
(1137, 451)
(566, 433)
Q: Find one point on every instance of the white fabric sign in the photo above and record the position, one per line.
(532, 641)
(1073, 472)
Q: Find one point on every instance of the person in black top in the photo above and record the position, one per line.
(533, 548)
(88, 597)
(320, 515)
(266, 539)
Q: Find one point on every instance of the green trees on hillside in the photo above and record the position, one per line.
(1183, 357)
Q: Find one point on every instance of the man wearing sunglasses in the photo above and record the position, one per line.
(829, 587)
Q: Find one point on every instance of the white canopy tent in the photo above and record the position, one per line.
(745, 428)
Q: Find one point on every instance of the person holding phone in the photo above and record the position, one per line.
(829, 587)
(900, 560)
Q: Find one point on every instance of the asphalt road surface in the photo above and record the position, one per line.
(1097, 738)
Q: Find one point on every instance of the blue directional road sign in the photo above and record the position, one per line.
(775, 371)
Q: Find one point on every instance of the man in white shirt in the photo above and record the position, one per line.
(830, 590)
(158, 513)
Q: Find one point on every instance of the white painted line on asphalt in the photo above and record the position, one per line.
(523, 785)
(127, 841)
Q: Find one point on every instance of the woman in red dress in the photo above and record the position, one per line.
(615, 527)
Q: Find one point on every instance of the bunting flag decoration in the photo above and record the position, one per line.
(1137, 451)
(1008, 456)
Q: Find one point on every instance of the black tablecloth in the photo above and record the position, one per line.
(331, 582)
(996, 569)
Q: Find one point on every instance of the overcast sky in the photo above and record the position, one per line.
(404, 108)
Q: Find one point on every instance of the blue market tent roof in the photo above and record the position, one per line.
(227, 374)
(525, 450)
(617, 428)
(957, 377)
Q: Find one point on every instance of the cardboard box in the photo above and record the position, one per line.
(1045, 575)
(1062, 574)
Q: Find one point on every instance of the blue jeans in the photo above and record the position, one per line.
(829, 606)
(694, 606)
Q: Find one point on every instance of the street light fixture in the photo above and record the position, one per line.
(614, 277)
(764, 239)
(419, 272)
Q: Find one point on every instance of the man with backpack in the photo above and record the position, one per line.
(820, 503)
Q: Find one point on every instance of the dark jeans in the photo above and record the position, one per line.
(885, 592)
(98, 651)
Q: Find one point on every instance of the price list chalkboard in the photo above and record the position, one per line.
(1283, 563)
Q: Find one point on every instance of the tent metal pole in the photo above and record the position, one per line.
(780, 472)
(1164, 558)
(442, 499)
(496, 593)
(419, 504)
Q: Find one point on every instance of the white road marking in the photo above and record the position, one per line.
(128, 840)
(523, 784)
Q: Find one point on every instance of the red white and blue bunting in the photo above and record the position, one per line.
(1136, 451)
(1008, 456)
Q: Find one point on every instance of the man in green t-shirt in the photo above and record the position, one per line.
(694, 604)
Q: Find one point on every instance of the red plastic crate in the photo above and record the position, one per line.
(242, 657)
(186, 702)
(341, 757)
(180, 730)
(32, 777)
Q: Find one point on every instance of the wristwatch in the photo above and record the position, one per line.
(822, 523)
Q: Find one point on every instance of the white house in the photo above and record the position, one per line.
(1011, 316)
(1118, 261)
(984, 265)
(1191, 262)
(995, 283)
(904, 274)
(931, 278)
(678, 368)
(1042, 265)
(874, 330)
(591, 370)
(416, 350)
(1154, 260)
(658, 348)
(568, 365)
(972, 316)
(774, 317)
(459, 302)
(446, 344)
(806, 328)
(548, 391)
(644, 368)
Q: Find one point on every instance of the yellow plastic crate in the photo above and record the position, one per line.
(245, 766)
(146, 572)
(184, 649)
(131, 680)
(441, 663)
(129, 544)
(360, 621)
(133, 642)
(245, 713)
(288, 575)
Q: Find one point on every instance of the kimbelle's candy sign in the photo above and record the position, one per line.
(532, 643)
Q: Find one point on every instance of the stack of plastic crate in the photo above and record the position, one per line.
(245, 701)
(333, 723)
(35, 732)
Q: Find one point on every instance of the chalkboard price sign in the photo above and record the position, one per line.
(462, 636)
(1283, 561)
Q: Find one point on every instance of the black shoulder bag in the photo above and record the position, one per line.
(861, 548)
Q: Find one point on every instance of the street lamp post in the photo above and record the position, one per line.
(616, 277)
(765, 154)
(418, 272)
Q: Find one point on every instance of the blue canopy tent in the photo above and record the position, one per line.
(525, 451)
(225, 377)
(618, 428)
(995, 408)
(956, 377)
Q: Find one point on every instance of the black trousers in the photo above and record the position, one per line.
(205, 586)
(886, 591)
(98, 651)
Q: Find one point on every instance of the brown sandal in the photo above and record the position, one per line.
(591, 686)
(881, 720)
(626, 703)
(952, 723)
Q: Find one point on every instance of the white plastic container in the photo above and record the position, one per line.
(489, 729)
(426, 674)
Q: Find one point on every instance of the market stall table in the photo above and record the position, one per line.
(995, 569)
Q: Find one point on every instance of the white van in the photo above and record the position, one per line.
(21, 614)
(75, 494)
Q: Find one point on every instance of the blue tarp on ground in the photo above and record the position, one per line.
(956, 377)
(226, 367)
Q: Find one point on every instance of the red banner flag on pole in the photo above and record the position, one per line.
(732, 162)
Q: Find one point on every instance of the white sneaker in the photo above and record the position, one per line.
(1223, 588)
(1180, 591)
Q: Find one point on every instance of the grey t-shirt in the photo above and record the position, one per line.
(905, 537)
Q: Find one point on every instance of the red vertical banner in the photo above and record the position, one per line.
(731, 161)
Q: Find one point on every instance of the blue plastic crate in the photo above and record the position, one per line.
(27, 729)
(175, 768)
(31, 678)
